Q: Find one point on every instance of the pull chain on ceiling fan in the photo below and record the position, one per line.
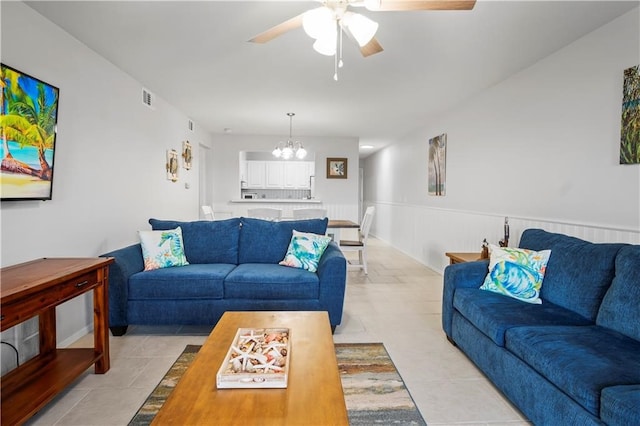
(327, 24)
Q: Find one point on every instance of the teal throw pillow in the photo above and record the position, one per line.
(162, 249)
(516, 273)
(305, 250)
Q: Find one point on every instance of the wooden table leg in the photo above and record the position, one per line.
(47, 324)
(101, 322)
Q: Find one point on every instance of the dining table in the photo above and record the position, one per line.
(335, 226)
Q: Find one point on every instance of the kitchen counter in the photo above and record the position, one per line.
(277, 200)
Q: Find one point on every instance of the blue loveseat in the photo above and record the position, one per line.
(233, 266)
(574, 359)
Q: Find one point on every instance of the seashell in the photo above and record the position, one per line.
(236, 365)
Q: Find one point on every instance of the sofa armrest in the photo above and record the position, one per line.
(128, 261)
(332, 273)
(460, 275)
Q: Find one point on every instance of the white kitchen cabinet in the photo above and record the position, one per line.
(256, 174)
(274, 175)
(296, 175)
(279, 174)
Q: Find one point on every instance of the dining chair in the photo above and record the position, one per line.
(207, 211)
(309, 213)
(265, 213)
(360, 245)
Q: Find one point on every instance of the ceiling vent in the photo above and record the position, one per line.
(190, 125)
(147, 98)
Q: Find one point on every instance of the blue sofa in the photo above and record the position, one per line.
(233, 266)
(574, 359)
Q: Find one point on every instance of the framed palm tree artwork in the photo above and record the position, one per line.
(28, 120)
(630, 128)
(437, 174)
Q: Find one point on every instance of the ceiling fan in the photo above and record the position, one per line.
(326, 23)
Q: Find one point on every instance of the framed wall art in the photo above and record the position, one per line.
(172, 165)
(337, 168)
(437, 165)
(187, 155)
(630, 129)
(28, 119)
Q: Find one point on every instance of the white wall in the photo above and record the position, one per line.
(542, 147)
(109, 175)
(339, 196)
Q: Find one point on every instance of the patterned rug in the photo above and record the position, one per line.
(374, 392)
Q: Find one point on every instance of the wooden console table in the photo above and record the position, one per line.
(463, 257)
(36, 288)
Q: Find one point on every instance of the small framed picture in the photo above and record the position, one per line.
(336, 168)
(187, 155)
(172, 165)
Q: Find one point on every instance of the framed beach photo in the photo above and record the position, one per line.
(28, 120)
(336, 168)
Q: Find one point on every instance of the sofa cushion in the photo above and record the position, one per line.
(516, 273)
(305, 250)
(579, 360)
(195, 281)
(494, 314)
(620, 308)
(206, 241)
(620, 405)
(271, 281)
(264, 241)
(162, 249)
(578, 273)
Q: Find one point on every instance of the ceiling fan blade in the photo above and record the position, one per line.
(400, 5)
(278, 30)
(371, 48)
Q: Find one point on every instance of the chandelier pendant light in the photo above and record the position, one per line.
(287, 150)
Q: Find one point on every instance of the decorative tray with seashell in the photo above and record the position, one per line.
(257, 358)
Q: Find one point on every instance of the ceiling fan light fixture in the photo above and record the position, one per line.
(326, 46)
(318, 22)
(361, 28)
(372, 4)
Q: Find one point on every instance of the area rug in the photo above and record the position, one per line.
(374, 392)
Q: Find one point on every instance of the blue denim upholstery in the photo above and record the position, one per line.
(574, 359)
(233, 266)
(265, 241)
(619, 404)
(197, 281)
(566, 282)
(494, 314)
(206, 241)
(620, 309)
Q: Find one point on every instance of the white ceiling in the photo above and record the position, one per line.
(195, 55)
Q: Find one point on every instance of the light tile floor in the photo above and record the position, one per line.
(398, 304)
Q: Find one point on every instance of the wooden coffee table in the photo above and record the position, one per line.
(314, 394)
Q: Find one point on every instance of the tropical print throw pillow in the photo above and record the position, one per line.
(162, 249)
(516, 273)
(305, 250)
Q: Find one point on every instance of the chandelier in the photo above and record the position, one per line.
(287, 150)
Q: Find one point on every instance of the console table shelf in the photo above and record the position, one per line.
(35, 289)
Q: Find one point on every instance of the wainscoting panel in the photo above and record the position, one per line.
(426, 233)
